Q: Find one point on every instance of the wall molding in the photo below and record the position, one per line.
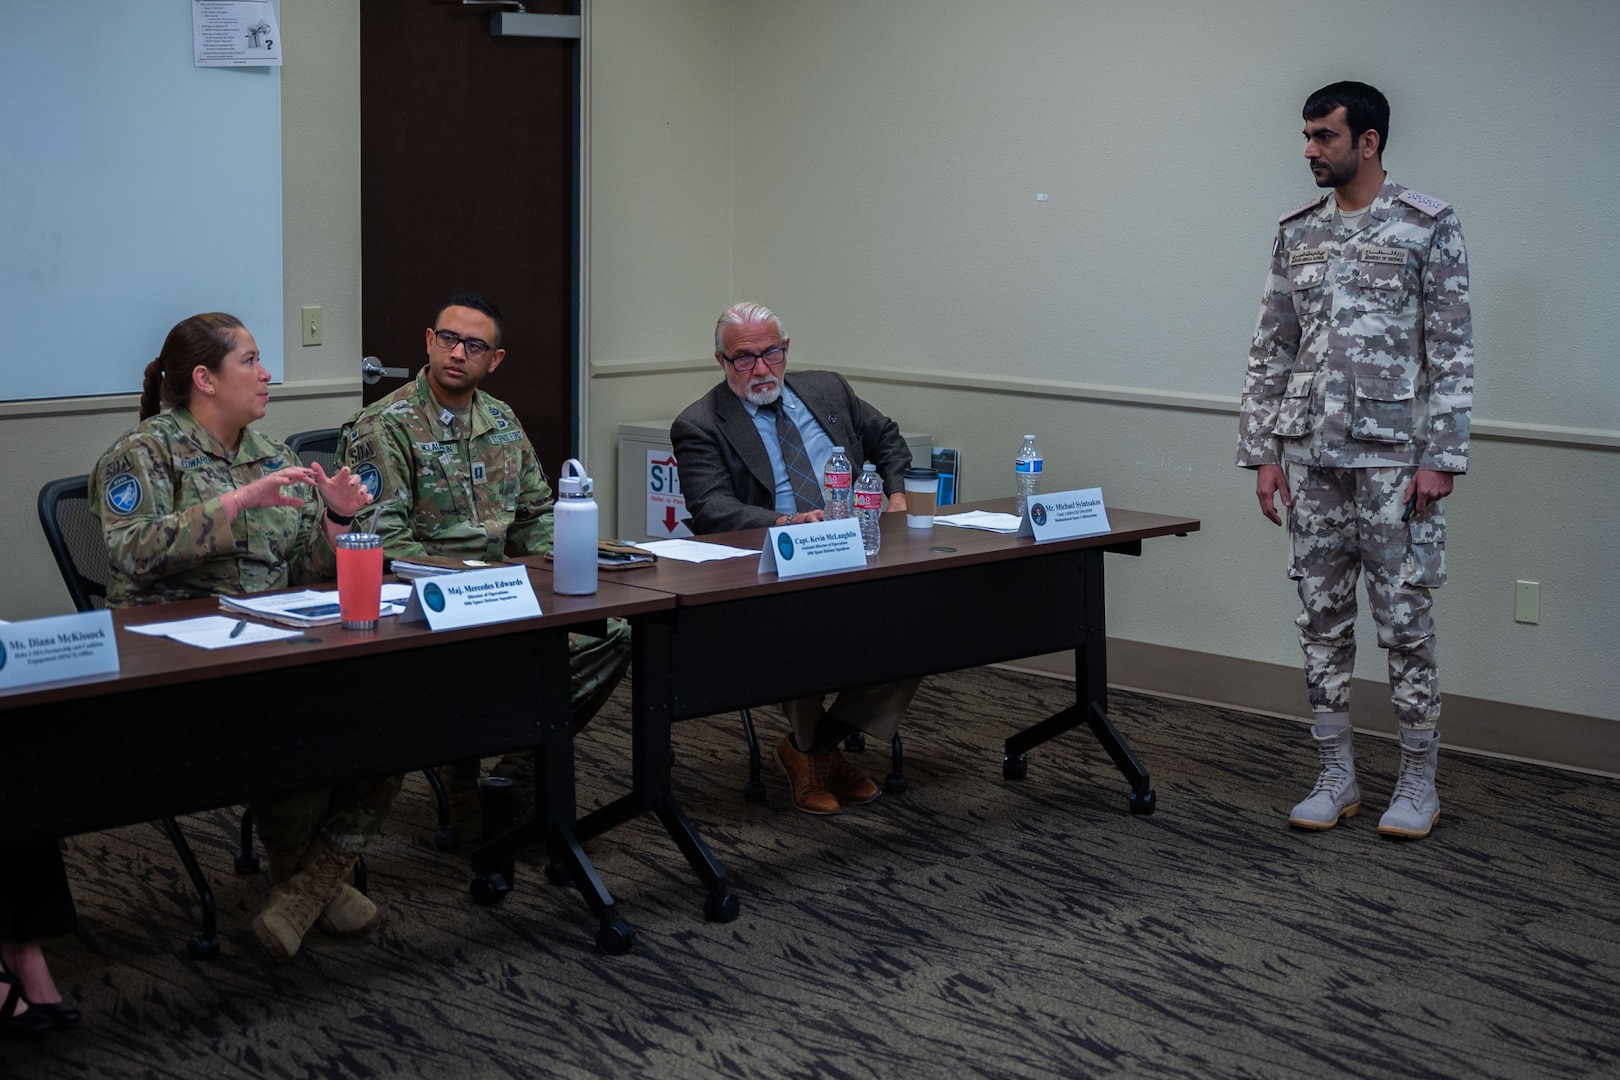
(1134, 396)
(300, 389)
(1564, 740)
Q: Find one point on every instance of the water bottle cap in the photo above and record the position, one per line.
(838, 450)
(576, 485)
(1029, 436)
(868, 467)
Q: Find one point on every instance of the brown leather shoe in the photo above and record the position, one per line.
(807, 778)
(846, 780)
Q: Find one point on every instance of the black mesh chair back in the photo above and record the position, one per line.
(319, 445)
(73, 529)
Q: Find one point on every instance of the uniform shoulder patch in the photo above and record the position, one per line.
(1298, 210)
(1427, 203)
(124, 494)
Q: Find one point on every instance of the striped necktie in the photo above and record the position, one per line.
(806, 485)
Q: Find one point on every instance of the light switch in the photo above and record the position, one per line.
(312, 325)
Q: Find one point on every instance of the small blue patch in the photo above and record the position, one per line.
(433, 596)
(1037, 514)
(2, 656)
(370, 479)
(478, 472)
(784, 545)
(124, 494)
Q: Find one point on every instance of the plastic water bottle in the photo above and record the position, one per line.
(573, 539)
(835, 484)
(1027, 471)
(869, 507)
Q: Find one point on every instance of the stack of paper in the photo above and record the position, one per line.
(308, 607)
(433, 565)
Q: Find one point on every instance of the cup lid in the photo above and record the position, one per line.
(918, 473)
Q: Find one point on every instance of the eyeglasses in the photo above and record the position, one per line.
(744, 362)
(473, 347)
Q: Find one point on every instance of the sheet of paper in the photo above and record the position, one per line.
(695, 550)
(234, 33)
(214, 632)
(980, 519)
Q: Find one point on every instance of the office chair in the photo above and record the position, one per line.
(321, 445)
(73, 530)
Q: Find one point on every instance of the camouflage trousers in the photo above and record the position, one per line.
(347, 815)
(595, 664)
(1345, 522)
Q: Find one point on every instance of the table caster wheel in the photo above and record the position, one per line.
(1142, 802)
(488, 888)
(754, 791)
(557, 872)
(201, 948)
(855, 741)
(447, 839)
(247, 862)
(1014, 768)
(615, 938)
(895, 783)
(720, 907)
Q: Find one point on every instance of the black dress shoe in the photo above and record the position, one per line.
(63, 1015)
(14, 1025)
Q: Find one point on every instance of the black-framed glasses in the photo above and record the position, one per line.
(473, 347)
(744, 362)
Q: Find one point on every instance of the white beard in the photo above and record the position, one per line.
(765, 397)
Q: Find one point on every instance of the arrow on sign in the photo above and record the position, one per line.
(669, 519)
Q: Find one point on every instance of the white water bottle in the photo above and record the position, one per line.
(573, 539)
(836, 478)
(1027, 472)
(869, 507)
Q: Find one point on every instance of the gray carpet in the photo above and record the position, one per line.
(970, 927)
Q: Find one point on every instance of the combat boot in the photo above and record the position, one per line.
(295, 904)
(1335, 795)
(347, 914)
(1415, 806)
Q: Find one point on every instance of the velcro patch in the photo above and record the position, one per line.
(506, 437)
(370, 479)
(124, 494)
(1392, 256)
(1301, 256)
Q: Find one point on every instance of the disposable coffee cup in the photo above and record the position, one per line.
(359, 574)
(922, 492)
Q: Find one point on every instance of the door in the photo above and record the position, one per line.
(468, 183)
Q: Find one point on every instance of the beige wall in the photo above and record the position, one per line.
(870, 170)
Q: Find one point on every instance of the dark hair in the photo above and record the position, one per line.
(1364, 107)
(200, 340)
(477, 303)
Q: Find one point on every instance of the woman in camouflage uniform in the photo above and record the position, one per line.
(194, 502)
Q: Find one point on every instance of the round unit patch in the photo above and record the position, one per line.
(370, 479)
(1037, 514)
(433, 596)
(784, 544)
(124, 494)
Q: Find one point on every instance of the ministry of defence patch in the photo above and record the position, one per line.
(124, 494)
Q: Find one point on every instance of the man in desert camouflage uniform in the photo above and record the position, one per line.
(452, 474)
(1355, 413)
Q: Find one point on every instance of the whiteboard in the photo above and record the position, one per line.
(135, 190)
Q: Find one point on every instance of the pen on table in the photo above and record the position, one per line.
(241, 625)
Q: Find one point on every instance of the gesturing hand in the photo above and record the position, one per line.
(343, 491)
(266, 490)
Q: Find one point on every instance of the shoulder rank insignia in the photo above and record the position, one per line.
(1298, 210)
(1427, 203)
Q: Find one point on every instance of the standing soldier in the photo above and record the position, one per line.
(1355, 413)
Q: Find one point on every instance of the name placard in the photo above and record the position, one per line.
(791, 550)
(472, 598)
(61, 647)
(1064, 515)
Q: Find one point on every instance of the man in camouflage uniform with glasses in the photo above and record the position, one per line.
(451, 473)
(1355, 414)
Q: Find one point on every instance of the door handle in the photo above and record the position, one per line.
(372, 371)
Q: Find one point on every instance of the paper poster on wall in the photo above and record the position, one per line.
(234, 33)
(666, 506)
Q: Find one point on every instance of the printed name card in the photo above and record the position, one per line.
(472, 598)
(1064, 515)
(791, 550)
(61, 647)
